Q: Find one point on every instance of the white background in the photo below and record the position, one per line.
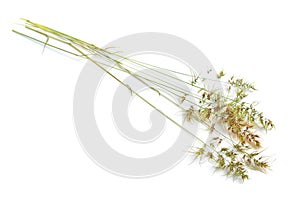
(41, 160)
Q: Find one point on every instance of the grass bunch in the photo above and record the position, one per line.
(235, 125)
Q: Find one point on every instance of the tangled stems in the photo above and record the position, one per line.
(234, 145)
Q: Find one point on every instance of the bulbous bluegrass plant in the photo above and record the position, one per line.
(234, 124)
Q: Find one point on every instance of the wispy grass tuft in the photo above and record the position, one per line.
(235, 146)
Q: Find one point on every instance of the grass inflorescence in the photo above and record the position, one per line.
(236, 126)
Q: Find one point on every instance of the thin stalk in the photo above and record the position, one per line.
(100, 66)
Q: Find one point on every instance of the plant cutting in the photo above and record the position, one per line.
(235, 125)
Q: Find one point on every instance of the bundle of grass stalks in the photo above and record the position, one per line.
(236, 125)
